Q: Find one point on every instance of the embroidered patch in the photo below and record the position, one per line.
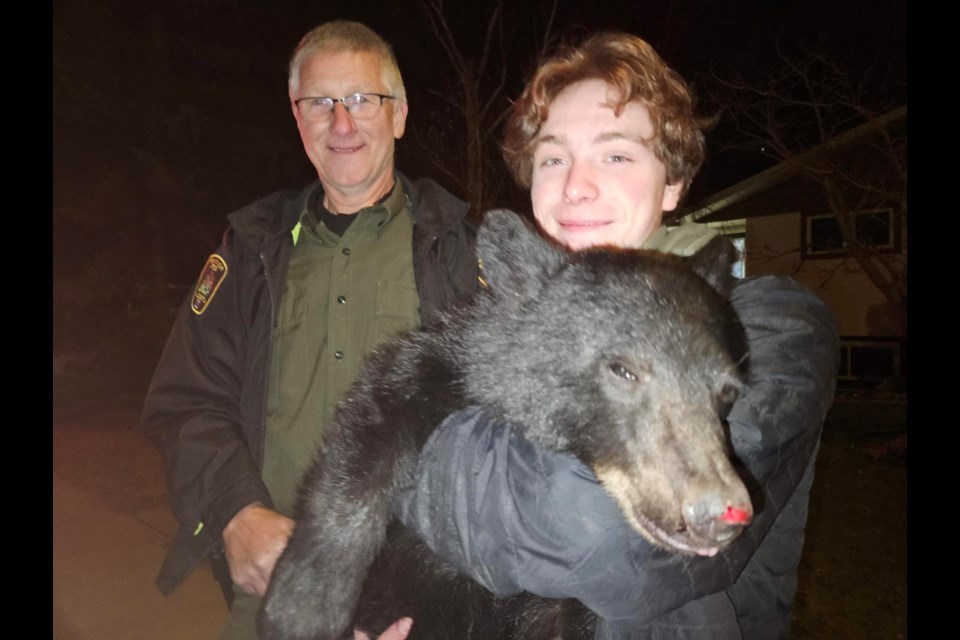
(210, 278)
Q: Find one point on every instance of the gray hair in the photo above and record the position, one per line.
(338, 36)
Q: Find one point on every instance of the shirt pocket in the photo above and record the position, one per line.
(292, 308)
(398, 308)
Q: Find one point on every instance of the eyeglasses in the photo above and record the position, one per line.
(359, 105)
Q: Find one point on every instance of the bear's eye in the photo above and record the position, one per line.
(622, 372)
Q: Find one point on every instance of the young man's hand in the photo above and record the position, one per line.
(397, 631)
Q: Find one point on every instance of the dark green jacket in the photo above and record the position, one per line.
(206, 406)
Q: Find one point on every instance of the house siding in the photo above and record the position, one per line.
(773, 247)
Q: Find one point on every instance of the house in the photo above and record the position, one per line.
(785, 221)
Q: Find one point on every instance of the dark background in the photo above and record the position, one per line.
(168, 115)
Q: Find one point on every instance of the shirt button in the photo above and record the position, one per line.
(338, 355)
(346, 251)
(341, 299)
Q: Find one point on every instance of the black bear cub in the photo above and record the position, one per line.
(627, 359)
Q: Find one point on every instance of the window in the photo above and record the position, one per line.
(739, 241)
(736, 232)
(869, 359)
(877, 229)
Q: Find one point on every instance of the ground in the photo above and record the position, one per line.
(853, 574)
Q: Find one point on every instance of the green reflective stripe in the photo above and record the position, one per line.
(295, 232)
(198, 529)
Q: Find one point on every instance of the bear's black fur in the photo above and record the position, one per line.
(627, 359)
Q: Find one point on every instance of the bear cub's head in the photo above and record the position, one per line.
(630, 360)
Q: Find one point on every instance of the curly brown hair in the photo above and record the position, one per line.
(630, 66)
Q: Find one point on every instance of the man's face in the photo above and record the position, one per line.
(595, 179)
(354, 158)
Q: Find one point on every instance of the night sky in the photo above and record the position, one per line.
(169, 115)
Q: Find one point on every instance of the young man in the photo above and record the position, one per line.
(606, 139)
(301, 288)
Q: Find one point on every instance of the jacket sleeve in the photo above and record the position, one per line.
(192, 411)
(517, 518)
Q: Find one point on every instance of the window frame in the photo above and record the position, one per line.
(807, 219)
(892, 344)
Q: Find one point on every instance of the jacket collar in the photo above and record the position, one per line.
(435, 211)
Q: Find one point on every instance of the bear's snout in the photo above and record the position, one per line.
(716, 517)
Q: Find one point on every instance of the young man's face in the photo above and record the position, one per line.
(595, 179)
(353, 157)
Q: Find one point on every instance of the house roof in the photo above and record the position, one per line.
(782, 189)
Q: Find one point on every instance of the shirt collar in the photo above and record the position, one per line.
(375, 216)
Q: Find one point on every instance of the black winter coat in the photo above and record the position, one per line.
(517, 518)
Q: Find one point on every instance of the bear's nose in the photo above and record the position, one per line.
(736, 516)
(713, 517)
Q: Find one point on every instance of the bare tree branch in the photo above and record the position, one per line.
(830, 124)
(480, 100)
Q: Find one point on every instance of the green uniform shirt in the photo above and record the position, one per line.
(342, 297)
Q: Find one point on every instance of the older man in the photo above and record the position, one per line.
(605, 137)
(303, 285)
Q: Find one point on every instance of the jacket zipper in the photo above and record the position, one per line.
(266, 389)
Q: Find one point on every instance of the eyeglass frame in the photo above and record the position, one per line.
(334, 101)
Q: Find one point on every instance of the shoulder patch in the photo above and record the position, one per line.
(214, 271)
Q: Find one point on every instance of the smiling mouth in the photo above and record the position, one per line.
(345, 149)
(583, 225)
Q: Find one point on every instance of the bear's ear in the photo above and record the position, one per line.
(514, 259)
(714, 263)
